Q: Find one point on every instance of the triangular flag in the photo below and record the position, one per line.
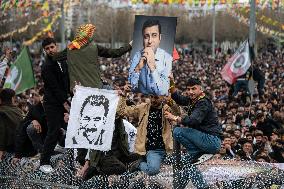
(175, 55)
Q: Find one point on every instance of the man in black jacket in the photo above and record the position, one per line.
(56, 88)
(199, 131)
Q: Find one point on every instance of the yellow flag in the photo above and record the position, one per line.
(190, 2)
(209, 2)
(45, 6)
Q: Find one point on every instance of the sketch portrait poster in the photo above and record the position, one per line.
(151, 55)
(92, 118)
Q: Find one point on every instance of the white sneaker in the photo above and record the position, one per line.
(203, 158)
(46, 169)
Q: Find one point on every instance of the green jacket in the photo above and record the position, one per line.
(122, 140)
(83, 64)
(95, 156)
(10, 118)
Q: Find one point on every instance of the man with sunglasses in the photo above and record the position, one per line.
(56, 88)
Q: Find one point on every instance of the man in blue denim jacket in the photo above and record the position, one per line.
(151, 66)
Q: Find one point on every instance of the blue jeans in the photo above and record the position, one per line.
(196, 141)
(153, 162)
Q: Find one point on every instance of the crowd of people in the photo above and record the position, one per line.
(252, 125)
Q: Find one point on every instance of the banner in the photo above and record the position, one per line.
(92, 118)
(132, 133)
(20, 76)
(151, 55)
(238, 64)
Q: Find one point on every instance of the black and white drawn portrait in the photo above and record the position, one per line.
(91, 121)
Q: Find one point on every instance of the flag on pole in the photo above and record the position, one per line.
(238, 64)
(175, 54)
(20, 76)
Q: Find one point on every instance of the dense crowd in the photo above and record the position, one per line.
(253, 125)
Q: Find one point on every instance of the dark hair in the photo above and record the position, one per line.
(193, 81)
(149, 23)
(249, 135)
(263, 157)
(6, 96)
(258, 134)
(47, 41)
(96, 100)
(246, 141)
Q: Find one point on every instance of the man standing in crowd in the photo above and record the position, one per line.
(10, 118)
(56, 87)
(151, 66)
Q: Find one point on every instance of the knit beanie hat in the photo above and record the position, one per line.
(84, 35)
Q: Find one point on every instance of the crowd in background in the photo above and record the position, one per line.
(253, 127)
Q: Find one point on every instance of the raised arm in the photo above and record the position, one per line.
(113, 53)
(134, 70)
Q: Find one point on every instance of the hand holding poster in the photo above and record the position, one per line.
(91, 121)
(151, 56)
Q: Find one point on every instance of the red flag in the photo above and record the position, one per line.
(175, 54)
(237, 65)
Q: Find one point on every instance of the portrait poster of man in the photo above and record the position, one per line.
(91, 120)
(151, 55)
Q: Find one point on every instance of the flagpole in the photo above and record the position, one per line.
(252, 41)
(213, 32)
(62, 26)
(252, 24)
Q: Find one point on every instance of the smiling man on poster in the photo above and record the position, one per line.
(151, 66)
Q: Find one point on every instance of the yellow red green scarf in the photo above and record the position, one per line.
(84, 35)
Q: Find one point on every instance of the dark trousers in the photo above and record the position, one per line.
(54, 116)
(115, 164)
(111, 164)
(36, 138)
(260, 86)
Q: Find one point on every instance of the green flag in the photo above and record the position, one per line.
(21, 76)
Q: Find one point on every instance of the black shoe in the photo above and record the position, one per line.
(90, 172)
(134, 166)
